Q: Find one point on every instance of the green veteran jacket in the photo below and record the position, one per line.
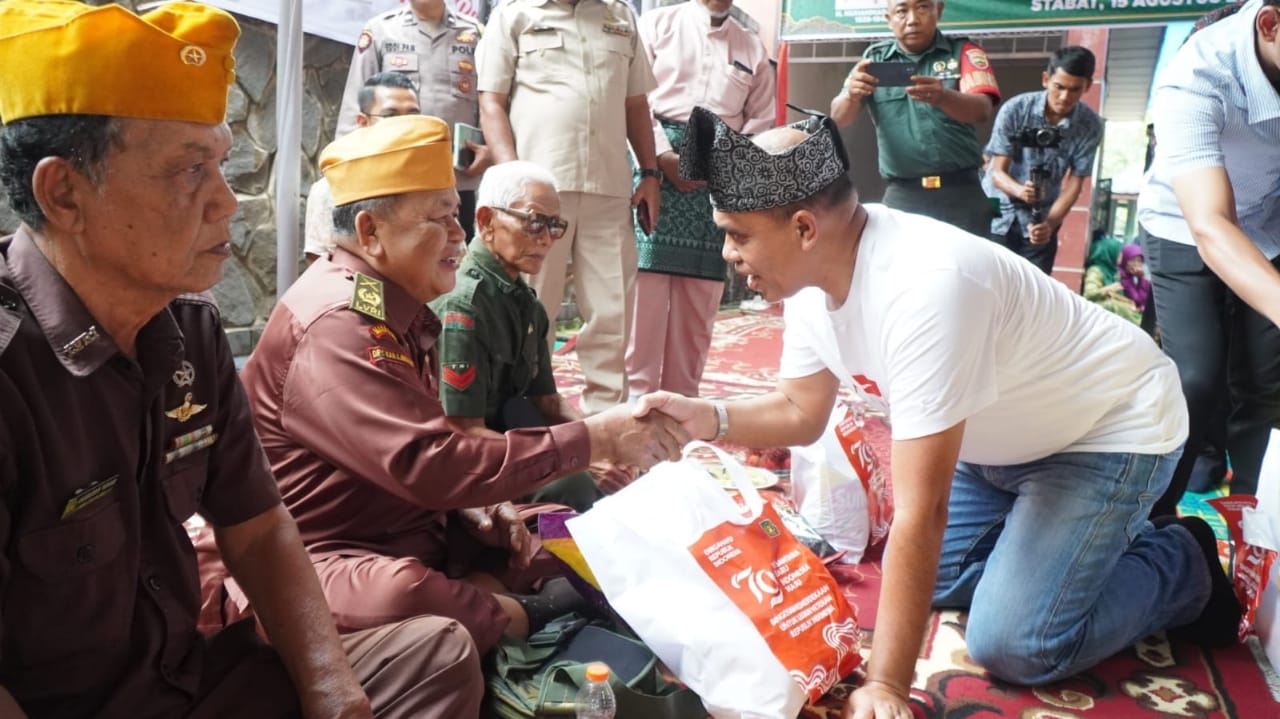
(493, 346)
(916, 139)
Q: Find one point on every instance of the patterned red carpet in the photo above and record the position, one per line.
(1156, 678)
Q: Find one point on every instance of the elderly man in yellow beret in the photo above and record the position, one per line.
(344, 388)
(121, 416)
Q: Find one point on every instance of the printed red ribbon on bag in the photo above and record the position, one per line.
(788, 594)
(865, 464)
(1250, 565)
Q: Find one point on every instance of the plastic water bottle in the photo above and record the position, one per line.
(595, 698)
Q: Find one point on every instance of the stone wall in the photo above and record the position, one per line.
(248, 288)
(247, 291)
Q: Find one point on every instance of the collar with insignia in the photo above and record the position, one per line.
(367, 297)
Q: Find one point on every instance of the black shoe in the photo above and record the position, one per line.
(1219, 622)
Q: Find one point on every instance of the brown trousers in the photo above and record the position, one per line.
(422, 668)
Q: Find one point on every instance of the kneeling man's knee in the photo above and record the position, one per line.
(1011, 653)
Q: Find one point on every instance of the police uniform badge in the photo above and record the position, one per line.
(367, 298)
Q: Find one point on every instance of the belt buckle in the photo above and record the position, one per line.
(932, 182)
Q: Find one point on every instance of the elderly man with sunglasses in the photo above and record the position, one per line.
(495, 363)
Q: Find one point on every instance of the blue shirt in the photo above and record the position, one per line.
(1081, 132)
(1214, 107)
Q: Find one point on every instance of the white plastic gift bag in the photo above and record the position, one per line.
(829, 494)
(739, 610)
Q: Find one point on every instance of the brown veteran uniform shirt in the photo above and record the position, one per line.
(101, 459)
(348, 408)
(569, 68)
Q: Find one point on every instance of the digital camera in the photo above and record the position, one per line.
(1039, 137)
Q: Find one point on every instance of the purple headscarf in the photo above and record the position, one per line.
(1136, 287)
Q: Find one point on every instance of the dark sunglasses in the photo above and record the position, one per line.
(536, 222)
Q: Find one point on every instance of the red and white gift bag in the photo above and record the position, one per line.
(726, 597)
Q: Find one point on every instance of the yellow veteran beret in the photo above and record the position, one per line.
(59, 57)
(409, 153)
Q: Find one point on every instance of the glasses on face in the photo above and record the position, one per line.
(536, 222)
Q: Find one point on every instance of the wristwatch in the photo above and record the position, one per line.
(722, 420)
(650, 172)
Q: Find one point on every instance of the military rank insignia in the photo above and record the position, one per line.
(366, 297)
(458, 375)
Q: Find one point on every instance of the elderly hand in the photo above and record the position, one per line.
(859, 83)
(926, 88)
(611, 476)
(874, 700)
(669, 163)
(635, 441)
(342, 698)
(499, 525)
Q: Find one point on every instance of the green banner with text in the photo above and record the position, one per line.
(842, 19)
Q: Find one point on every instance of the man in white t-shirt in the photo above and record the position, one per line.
(1031, 430)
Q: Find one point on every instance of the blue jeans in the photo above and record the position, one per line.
(1058, 565)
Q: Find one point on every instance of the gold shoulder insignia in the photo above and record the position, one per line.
(366, 297)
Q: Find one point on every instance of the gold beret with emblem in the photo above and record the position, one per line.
(395, 156)
(59, 57)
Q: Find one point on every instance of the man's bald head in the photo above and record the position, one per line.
(780, 139)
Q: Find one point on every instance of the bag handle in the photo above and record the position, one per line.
(737, 474)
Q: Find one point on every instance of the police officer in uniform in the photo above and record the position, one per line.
(435, 47)
(565, 85)
(495, 363)
(929, 150)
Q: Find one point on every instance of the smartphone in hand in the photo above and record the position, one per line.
(891, 74)
(642, 217)
(463, 156)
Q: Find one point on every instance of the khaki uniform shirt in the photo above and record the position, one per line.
(494, 343)
(916, 139)
(102, 458)
(568, 70)
(349, 412)
(439, 60)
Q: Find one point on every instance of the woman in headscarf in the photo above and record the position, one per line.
(1102, 282)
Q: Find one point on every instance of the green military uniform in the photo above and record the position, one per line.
(930, 160)
(493, 353)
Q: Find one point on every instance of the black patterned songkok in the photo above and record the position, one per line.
(743, 177)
